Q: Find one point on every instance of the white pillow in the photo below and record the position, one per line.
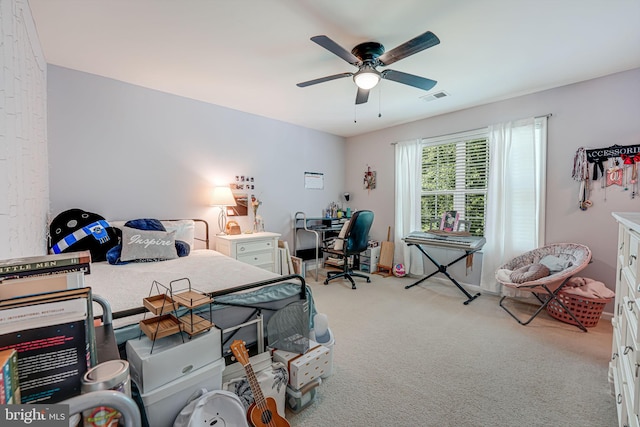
(554, 263)
(185, 230)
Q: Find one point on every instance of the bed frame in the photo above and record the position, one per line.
(235, 318)
(232, 317)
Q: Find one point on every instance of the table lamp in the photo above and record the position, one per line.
(222, 197)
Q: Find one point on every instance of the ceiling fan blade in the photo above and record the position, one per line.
(336, 49)
(362, 96)
(324, 79)
(408, 79)
(415, 45)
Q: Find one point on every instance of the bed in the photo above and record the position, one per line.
(244, 296)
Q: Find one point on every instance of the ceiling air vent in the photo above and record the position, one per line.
(434, 96)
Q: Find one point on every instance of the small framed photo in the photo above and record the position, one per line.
(449, 221)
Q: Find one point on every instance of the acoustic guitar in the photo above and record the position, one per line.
(263, 412)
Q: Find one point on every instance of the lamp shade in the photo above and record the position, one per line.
(367, 77)
(222, 196)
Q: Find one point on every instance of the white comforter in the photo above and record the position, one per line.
(125, 286)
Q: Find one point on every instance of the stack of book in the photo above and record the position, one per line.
(334, 261)
(337, 261)
(40, 274)
(46, 324)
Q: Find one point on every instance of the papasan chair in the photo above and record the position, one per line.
(526, 273)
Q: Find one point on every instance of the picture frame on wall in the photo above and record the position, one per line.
(242, 205)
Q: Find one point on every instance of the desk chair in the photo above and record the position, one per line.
(354, 241)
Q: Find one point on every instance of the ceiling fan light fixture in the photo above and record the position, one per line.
(367, 77)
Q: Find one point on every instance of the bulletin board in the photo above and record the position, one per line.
(314, 180)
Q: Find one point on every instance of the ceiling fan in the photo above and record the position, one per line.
(369, 55)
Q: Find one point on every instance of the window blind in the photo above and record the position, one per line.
(455, 177)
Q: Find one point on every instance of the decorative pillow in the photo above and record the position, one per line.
(555, 264)
(114, 254)
(149, 245)
(529, 273)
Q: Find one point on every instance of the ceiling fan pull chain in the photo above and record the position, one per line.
(379, 102)
(355, 114)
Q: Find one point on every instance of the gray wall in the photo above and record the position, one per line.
(595, 113)
(126, 152)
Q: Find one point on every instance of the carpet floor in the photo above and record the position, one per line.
(419, 357)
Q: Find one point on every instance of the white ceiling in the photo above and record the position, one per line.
(249, 54)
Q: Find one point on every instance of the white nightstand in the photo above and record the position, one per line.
(259, 249)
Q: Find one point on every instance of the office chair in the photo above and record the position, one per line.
(354, 241)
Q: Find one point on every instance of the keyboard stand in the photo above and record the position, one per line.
(443, 269)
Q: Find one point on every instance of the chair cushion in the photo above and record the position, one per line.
(338, 244)
(555, 263)
(529, 273)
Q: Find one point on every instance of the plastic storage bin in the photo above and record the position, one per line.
(297, 400)
(163, 404)
(171, 358)
(330, 344)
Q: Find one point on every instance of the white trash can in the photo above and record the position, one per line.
(329, 344)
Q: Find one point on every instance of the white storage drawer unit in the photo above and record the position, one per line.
(259, 249)
(625, 358)
(369, 259)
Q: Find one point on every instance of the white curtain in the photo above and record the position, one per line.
(516, 194)
(408, 213)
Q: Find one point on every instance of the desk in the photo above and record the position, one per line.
(468, 244)
(320, 229)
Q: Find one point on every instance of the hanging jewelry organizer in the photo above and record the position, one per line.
(614, 165)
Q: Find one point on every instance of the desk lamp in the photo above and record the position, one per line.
(222, 197)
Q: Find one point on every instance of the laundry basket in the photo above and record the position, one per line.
(587, 310)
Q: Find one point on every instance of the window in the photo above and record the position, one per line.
(455, 172)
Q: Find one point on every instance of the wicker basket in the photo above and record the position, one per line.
(586, 310)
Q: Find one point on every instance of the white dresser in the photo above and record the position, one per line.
(259, 249)
(625, 359)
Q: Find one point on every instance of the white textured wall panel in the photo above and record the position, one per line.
(24, 182)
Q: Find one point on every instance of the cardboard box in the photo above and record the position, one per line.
(171, 358)
(304, 368)
(163, 404)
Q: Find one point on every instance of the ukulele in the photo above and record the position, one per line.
(263, 412)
